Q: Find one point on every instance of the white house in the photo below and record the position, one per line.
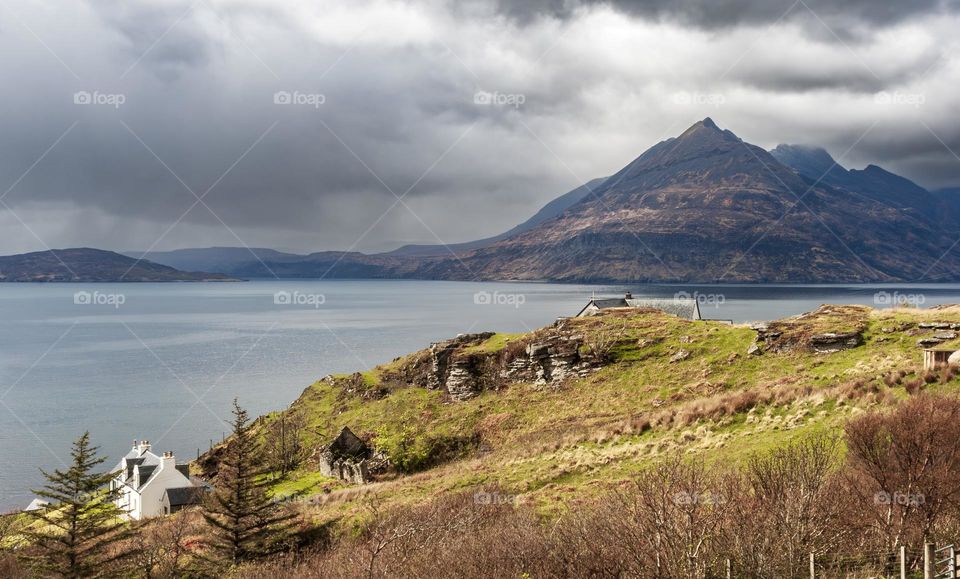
(148, 485)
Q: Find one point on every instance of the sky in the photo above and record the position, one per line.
(365, 125)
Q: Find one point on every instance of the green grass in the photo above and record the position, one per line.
(551, 443)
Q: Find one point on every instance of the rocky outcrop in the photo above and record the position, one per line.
(550, 361)
(441, 355)
(461, 369)
(834, 342)
(812, 331)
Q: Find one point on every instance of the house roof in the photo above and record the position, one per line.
(36, 504)
(688, 309)
(180, 496)
(682, 308)
(145, 473)
(348, 444)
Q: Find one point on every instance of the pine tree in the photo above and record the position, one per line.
(77, 533)
(245, 522)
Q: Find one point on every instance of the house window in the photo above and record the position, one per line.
(166, 510)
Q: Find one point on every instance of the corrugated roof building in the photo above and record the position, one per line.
(685, 308)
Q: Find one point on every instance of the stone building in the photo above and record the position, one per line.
(346, 458)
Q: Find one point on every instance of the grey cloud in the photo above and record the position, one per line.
(200, 97)
(164, 38)
(714, 14)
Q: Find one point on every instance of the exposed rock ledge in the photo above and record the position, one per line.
(463, 368)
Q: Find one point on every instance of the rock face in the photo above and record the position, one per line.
(834, 342)
(550, 362)
(463, 371)
(460, 375)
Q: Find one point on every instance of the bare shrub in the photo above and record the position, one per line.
(788, 504)
(160, 547)
(603, 340)
(902, 468)
(914, 387)
(947, 373)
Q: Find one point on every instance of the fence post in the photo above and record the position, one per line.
(953, 561)
(903, 562)
(729, 569)
(813, 568)
(928, 561)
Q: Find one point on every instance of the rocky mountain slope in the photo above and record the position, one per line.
(702, 207)
(816, 165)
(91, 265)
(706, 206)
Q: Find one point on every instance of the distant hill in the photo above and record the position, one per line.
(91, 265)
(549, 211)
(216, 259)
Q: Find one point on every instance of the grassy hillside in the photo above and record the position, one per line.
(631, 443)
(656, 387)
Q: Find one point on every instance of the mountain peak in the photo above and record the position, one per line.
(706, 131)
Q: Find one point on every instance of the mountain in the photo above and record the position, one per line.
(549, 211)
(815, 164)
(701, 207)
(91, 265)
(218, 259)
(707, 206)
(950, 197)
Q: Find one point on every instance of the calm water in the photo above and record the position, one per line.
(134, 363)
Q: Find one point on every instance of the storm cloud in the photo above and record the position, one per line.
(366, 125)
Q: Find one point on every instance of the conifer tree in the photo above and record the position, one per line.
(76, 534)
(245, 523)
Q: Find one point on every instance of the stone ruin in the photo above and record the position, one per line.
(347, 458)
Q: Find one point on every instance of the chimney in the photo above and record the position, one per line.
(136, 443)
(144, 446)
(628, 296)
(168, 460)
